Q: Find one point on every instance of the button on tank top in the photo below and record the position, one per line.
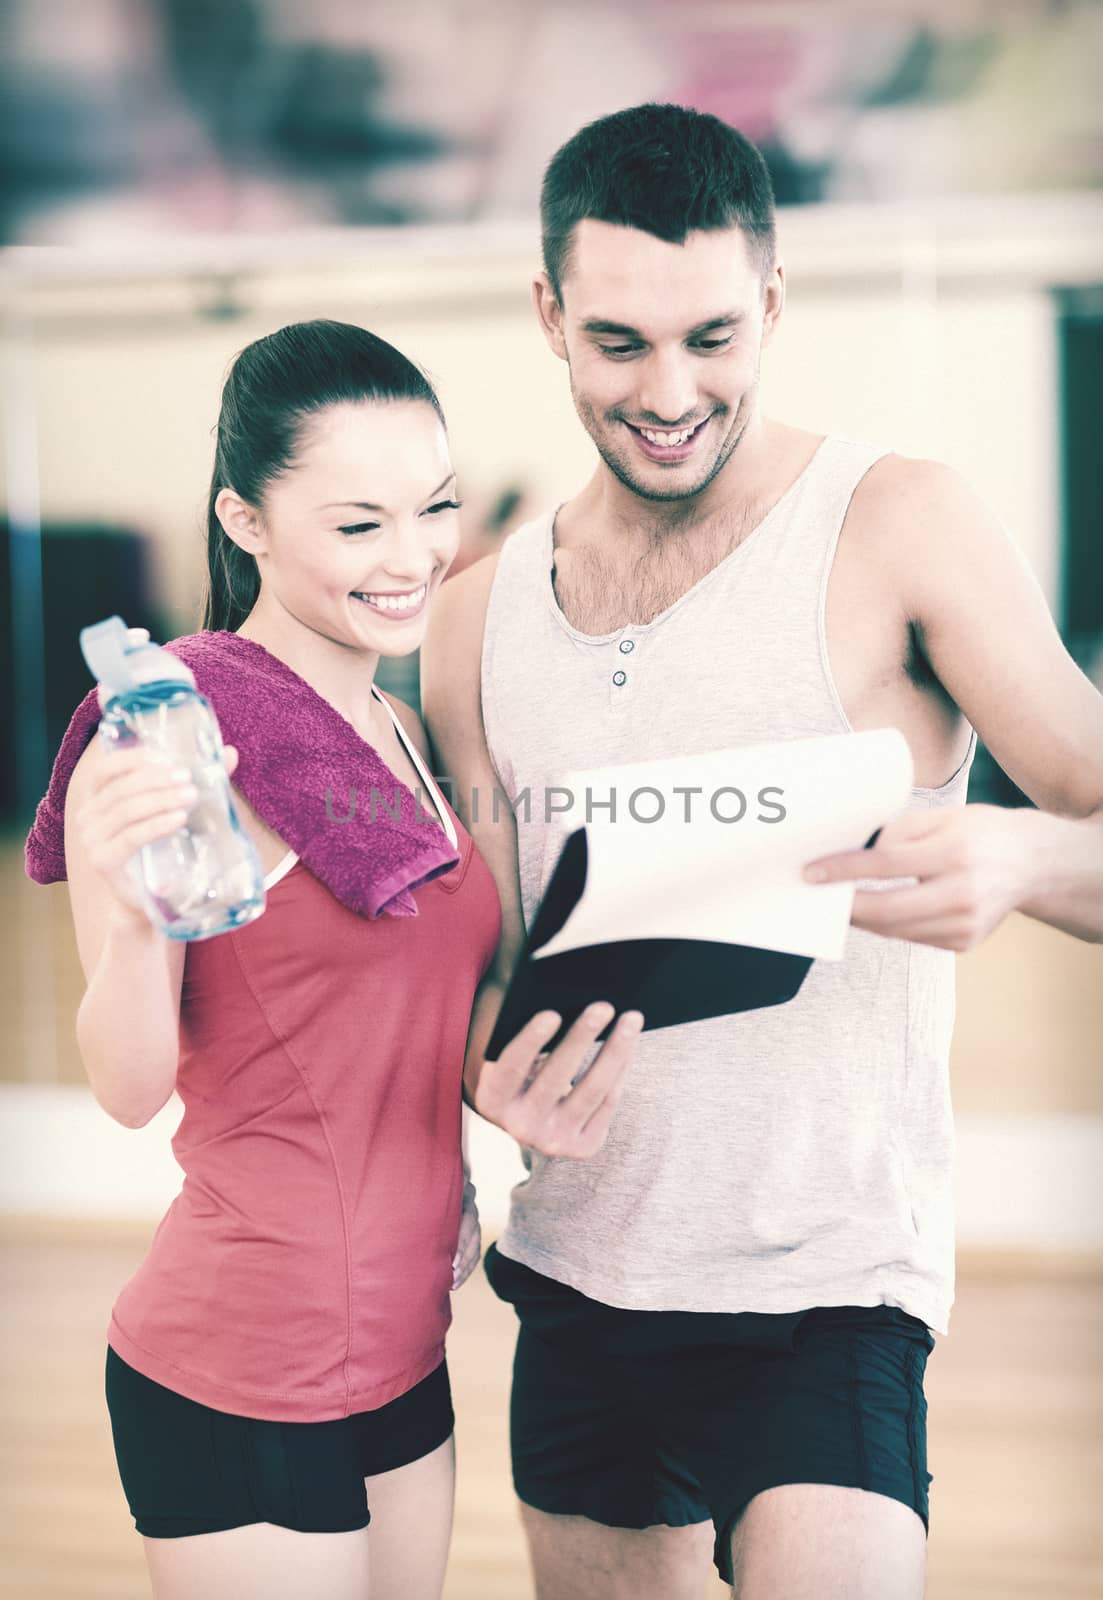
(304, 1271)
(774, 1160)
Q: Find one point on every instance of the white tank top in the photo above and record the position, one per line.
(774, 1160)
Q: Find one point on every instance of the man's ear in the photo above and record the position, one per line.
(550, 314)
(240, 522)
(773, 298)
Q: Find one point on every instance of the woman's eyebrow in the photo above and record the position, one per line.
(366, 505)
(443, 484)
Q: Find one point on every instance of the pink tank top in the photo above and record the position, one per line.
(304, 1271)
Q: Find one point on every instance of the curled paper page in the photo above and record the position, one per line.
(729, 834)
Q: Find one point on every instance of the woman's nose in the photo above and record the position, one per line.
(409, 557)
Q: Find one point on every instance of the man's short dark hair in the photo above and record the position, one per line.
(664, 169)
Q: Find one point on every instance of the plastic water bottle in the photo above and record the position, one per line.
(206, 877)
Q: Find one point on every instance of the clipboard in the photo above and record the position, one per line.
(669, 980)
(620, 916)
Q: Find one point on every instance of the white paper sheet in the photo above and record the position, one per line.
(735, 881)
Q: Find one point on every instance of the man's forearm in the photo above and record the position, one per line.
(1066, 867)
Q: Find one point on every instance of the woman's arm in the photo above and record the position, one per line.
(128, 1021)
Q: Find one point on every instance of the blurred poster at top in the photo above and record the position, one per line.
(128, 119)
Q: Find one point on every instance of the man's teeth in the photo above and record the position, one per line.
(390, 602)
(668, 439)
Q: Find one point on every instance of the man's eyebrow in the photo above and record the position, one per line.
(366, 505)
(727, 319)
(600, 325)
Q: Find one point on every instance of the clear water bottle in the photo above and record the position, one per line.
(206, 877)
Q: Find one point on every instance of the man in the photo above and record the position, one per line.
(725, 1307)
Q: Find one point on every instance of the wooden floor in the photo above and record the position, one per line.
(1016, 1438)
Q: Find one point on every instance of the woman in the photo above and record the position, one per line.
(275, 1370)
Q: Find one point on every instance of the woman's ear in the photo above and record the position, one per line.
(240, 521)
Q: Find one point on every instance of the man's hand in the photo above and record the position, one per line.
(534, 1096)
(972, 865)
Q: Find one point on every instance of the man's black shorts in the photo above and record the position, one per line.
(187, 1468)
(638, 1418)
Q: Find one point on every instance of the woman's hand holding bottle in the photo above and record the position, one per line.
(132, 798)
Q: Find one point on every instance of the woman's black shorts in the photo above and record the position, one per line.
(187, 1468)
(638, 1418)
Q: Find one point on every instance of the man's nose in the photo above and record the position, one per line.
(668, 393)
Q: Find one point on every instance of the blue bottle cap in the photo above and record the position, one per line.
(120, 666)
(104, 647)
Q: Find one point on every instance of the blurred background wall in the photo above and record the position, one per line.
(182, 176)
(178, 177)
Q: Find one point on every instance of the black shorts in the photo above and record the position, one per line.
(187, 1468)
(638, 1418)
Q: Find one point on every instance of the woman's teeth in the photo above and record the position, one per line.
(394, 603)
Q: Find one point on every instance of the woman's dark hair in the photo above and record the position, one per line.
(664, 169)
(273, 387)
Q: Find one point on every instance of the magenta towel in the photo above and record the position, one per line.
(299, 763)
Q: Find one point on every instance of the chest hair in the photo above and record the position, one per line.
(601, 590)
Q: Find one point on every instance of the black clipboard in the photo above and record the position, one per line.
(671, 981)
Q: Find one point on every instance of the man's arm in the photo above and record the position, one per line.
(532, 1095)
(986, 631)
(451, 700)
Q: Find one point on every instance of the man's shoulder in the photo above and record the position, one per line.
(465, 597)
(904, 503)
(453, 643)
(902, 485)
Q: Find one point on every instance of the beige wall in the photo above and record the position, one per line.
(907, 340)
(126, 411)
(1029, 1030)
(955, 363)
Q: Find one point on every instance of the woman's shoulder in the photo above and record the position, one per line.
(411, 723)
